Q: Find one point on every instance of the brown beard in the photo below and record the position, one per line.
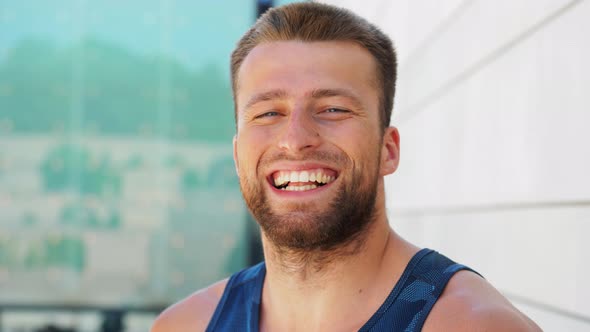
(345, 219)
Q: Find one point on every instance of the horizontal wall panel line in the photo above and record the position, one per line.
(416, 53)
(415, 108)
(547, 307)
(488, 208)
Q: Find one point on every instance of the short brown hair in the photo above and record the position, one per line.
(310, 21)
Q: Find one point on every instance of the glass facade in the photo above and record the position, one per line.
(117, 184)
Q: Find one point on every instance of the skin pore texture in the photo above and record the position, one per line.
(331, 256)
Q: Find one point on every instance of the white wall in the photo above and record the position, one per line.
(492, 107)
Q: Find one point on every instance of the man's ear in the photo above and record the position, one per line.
(235, 143)
(389, 151)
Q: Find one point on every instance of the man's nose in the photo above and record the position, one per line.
(300, 133)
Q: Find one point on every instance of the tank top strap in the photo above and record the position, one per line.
(239, 306)
(414, 295)
(433, 274)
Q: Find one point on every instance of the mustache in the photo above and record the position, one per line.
(318, 156)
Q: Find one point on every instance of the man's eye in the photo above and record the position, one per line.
(335, 110)
(267, 114)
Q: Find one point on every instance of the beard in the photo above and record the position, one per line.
(304, 228)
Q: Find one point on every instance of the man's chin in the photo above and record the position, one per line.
(287, 209)
(302, 229)
(292, 216)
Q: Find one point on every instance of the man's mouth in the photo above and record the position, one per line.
(303, 180)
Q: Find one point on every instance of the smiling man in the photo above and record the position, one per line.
(313, 90)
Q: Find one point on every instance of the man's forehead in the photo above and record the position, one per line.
(271, 63)
(271, 49)
(276, 45)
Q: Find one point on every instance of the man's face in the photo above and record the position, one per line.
(308, 147)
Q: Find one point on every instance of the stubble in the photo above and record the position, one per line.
(302, 232)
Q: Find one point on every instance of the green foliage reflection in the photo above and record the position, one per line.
(112, 91)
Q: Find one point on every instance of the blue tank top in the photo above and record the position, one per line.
(405, 309)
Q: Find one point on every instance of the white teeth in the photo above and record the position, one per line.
(303, 176)
(300, 188)
(284, 177)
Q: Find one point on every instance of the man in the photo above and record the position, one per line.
(313, 90)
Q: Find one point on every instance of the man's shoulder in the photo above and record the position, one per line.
(192, 313)
(470, 303)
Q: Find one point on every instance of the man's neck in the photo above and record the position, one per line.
(341, 288)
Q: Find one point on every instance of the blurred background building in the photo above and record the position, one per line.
(118, 194)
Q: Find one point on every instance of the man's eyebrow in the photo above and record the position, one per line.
(315, 94)
(324, 93)
(266, 96)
